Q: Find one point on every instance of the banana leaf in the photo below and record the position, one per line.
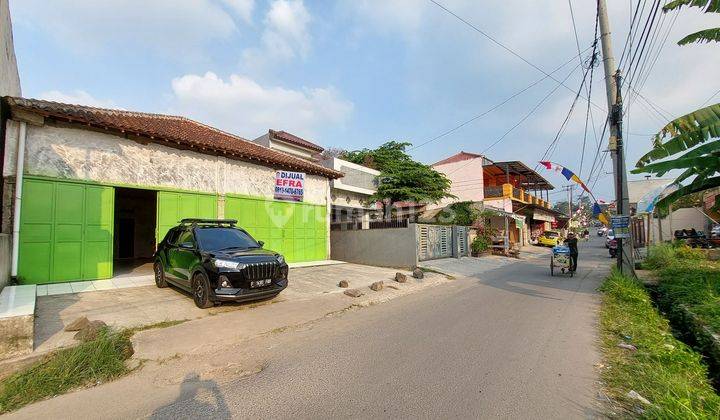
(706, 35)
(696, 186)
(710, 6)
(661, 168)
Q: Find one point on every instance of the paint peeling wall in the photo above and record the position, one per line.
(70, 153)
(9, 77)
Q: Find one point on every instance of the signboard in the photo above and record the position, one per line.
(620, 226)
(289, 186)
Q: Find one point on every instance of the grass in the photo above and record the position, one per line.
(91, 362)
(662, 369)
(88, 363)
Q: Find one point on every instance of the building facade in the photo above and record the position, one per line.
(102, 187)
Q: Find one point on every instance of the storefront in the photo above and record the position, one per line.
(101, 188)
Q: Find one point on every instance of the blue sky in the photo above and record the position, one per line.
(354, 74)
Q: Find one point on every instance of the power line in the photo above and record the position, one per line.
(494, 107)
(710, 98)
(503, 46)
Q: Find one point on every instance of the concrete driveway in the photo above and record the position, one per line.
(145, 305)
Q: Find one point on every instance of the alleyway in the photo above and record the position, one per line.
(506, 341)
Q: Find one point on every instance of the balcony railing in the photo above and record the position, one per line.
(518, 194)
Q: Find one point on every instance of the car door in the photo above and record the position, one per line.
(182, 258)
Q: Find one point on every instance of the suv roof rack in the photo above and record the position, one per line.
(230, 222)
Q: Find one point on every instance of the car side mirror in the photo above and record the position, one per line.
(186, 245)
(261, 243)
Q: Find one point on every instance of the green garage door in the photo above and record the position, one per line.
(66, 232)
(173, 207)
(296, 230)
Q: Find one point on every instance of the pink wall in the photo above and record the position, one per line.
(467, 180)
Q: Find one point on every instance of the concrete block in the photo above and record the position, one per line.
(17, 320)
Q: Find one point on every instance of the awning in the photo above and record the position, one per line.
(541, 215)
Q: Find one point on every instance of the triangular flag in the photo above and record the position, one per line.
(546, 164)
(567, 173)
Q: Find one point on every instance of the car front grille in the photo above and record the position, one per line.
(261, 270)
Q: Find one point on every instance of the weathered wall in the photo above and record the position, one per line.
(71, 153)
(9, 77)
(381, 247)
(5, 252)
(681, 219)
(349, 199)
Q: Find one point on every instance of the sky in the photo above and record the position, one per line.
(355, 74)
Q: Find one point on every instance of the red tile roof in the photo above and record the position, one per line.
(458, 158)
(171, 131)
(293, 139)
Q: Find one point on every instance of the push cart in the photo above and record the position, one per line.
(560, 261)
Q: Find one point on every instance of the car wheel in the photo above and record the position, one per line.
(159, 275)
(201, 291)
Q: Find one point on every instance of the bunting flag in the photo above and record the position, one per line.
(570, 176)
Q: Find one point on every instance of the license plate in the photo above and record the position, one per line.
(260, 283)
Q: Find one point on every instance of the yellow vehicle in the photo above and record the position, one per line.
(549, 238)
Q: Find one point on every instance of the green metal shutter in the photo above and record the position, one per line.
(174, 206)
(66, 232)
(296, 230)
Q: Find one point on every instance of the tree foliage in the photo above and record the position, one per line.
(401, 178)
(696, 135)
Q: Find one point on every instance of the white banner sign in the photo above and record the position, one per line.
(289, 186)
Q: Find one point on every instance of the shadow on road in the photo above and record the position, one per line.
(198, 399)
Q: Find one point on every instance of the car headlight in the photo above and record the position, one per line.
(281, 259)
(225, 264)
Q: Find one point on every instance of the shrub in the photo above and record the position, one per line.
(659, 256)
(687, 253)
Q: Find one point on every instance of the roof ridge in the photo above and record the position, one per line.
(18, 100)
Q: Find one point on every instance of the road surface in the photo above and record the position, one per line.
(506, 340)
(511, 342)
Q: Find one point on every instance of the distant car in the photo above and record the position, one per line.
(609, 236)
(601, 231)
(549, 238)
(216, 262)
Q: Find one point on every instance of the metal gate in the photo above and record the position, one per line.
(434, 242)
(460, 240)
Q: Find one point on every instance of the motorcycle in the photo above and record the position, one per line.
(613, 248)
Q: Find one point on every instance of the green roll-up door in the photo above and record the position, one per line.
(174, 206)
(66, 232)
(296, 230)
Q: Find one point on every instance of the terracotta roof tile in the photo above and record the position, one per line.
(291, 138)
(172, 131)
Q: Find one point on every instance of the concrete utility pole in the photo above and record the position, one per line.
(615, 114)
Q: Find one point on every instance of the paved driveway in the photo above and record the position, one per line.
(137, 306)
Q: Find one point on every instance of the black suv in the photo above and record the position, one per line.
(216, 261)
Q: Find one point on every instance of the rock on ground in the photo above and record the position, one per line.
(78, 324)
(377, 286)
(400, 278)
(344, 284)
(91, 331)
(418, 273)
(353, 293)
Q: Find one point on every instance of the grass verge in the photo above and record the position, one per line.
(663, 370)
(91, 362)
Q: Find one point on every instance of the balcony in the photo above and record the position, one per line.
(517, 194)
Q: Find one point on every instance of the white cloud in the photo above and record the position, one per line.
(77, 97)
(166, 26)
(285, 36)
(241, 105)
(242, 8)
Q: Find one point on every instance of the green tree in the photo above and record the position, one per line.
(401, 178)
(696, 135)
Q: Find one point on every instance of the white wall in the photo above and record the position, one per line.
(688, 218)
(9, 77)
(72, 153)
(467, 181)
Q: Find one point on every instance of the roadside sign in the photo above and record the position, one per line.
(289, 186)
(620, 226)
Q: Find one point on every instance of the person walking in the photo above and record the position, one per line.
(572, 243)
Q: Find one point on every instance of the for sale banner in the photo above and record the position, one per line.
(289, 186)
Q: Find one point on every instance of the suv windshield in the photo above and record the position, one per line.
(216, 239)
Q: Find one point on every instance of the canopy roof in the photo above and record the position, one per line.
(533, 180)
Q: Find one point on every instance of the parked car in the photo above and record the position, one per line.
(609, 236)
(549, 238)
(216, 261)
(601, 231)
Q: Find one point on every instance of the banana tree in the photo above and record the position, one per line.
(708, 6)
(696, 135)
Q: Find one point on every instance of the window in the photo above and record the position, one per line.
(185, 237)
(215, 239)
(171, 236)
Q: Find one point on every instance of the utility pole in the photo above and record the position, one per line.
(615, 115)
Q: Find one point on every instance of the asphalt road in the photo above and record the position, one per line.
(509, 341)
